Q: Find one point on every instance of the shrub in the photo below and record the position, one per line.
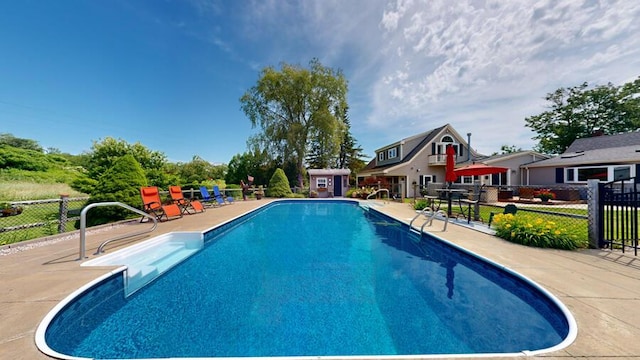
(122, 183)
(279, 185)
(535, 232)
(420, 204)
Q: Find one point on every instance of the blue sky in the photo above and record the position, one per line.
(169, 74)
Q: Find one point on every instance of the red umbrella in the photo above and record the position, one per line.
(479, 169)
(450, 175)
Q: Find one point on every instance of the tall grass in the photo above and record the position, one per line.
(27, 190)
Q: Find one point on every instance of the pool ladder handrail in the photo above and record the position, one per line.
(376, 193)
(430, 216)
(83, 226)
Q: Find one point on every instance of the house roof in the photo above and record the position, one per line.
(620, 148)
(493, 159)
(327, 172)
(426, 138)
(604, 142)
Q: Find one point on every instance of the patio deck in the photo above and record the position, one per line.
(600, 288)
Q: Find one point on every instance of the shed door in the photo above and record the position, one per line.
(337, 185)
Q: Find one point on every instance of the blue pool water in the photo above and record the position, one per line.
(313, 278)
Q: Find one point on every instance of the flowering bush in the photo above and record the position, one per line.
(537, 233)
(544, 194)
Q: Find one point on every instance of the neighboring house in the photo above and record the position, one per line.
(605, 157)
(329, 182)
(513, 161)
(412, 163)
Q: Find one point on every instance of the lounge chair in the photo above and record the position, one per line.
(187, 206)
(508, 209)
(152, 204)
(208, 199)
(217, 194)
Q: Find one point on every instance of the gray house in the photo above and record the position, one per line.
(605, 158)
(406, 166)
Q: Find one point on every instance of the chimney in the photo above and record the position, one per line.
(468, 146)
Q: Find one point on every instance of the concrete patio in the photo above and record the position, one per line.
(600, 288)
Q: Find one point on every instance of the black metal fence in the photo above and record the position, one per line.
(25, 220)
(618, 215)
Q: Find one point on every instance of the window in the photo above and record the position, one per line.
(600, 173)
(321, 183)
(466, 179)
(621, 172)
(391, 153)
(381, 156)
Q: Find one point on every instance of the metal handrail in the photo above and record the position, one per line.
(430, 218)
(420, 213)
(83, 226)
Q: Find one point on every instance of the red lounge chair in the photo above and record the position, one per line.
(187, 206)
(152, 204)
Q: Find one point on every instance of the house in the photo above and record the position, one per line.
(408, 165)
(329, 182)
(513, 161)
(605, 157)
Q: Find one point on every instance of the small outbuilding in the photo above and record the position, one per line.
(326, 183)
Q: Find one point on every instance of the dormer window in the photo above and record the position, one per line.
(392, 153)
(381, 156)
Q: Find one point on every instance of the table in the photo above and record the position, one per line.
(450, 192)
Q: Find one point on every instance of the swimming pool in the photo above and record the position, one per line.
(312, 278)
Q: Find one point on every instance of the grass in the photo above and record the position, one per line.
(27, 190)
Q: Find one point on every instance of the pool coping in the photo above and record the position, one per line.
(598, 286)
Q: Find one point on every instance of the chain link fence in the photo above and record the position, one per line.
(567, 206)
(25, 220)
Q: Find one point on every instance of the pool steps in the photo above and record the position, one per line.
(150, 259)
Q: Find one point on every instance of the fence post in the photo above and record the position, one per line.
(62, 216)
(593, 213)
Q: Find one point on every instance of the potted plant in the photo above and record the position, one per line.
(259, 193)
(313, 194)
(6, 209)
(545, 195)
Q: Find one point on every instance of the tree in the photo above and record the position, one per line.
(255, 163)
(104, 154)
(350, 156)
(579, 112)
(199, 170)
(507, 149)
(295, 107)
(279, 185)
(121, 182)
(27, 144)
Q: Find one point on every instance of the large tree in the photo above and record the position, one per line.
(580, 111)
(296, 106)
(105, 153)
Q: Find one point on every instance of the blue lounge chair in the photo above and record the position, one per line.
(208, 199)
(217, 194)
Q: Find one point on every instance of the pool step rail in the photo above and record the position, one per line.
(429, 214)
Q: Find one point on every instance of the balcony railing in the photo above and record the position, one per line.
(438, 159)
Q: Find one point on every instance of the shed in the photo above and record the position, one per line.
(329, 182)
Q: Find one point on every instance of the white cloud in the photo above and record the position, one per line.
(482, 65)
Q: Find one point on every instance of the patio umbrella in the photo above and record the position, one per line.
(450, 175)
(479, 169)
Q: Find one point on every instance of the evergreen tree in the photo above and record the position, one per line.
(279, 185)
(122, 183)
